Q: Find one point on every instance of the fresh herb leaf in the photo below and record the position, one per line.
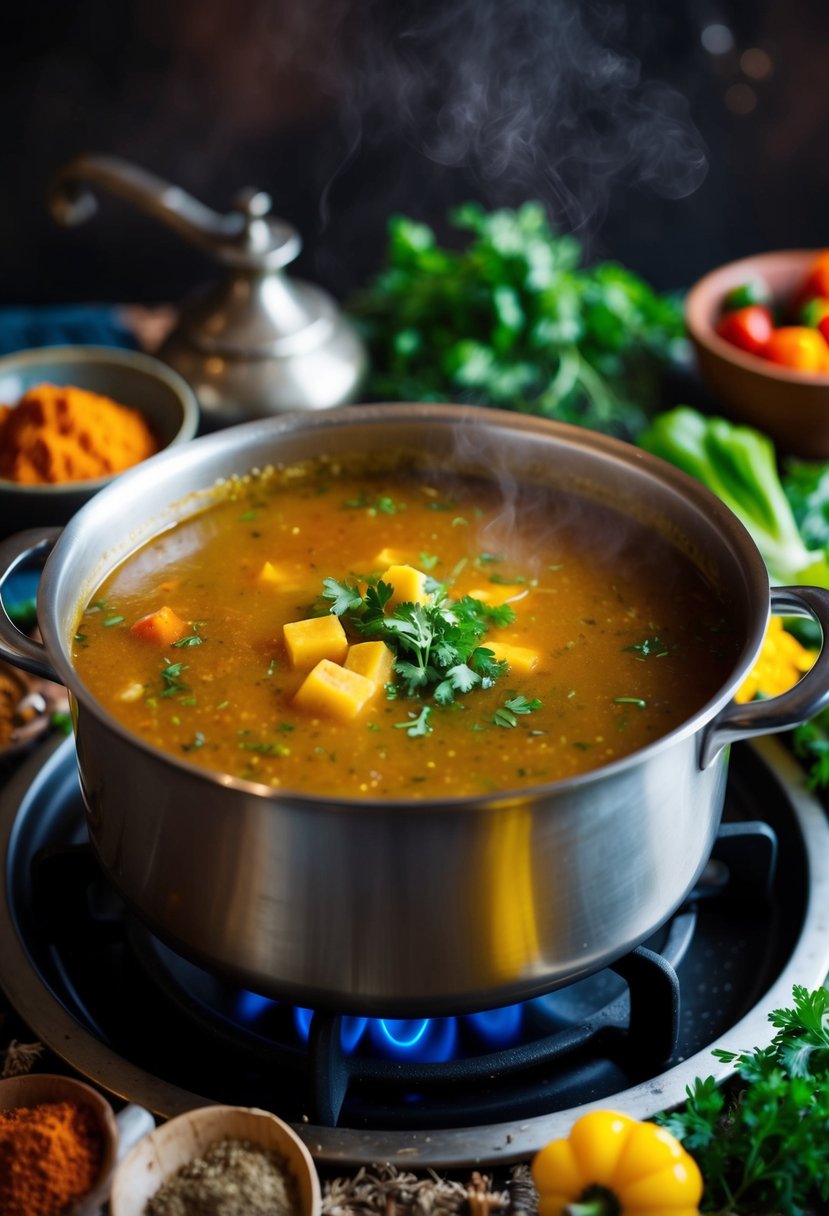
(112, 620)
(171, 678)
(265, 749)
(436, 644)
(346, 596)
(514, 707)
(512, 321)
(648, 648)
(192, 639)
(418, 724)
(761, 1145)
(197, 742)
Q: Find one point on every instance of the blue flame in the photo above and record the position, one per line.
(420, 1040)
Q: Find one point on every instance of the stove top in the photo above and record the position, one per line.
(126, 1012)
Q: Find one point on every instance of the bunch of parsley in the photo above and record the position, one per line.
(513, 321)
(761, 1142)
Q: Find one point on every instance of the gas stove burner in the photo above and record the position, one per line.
(149, 1026)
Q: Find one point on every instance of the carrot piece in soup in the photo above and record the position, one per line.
(373, 660)
(162, 627)
(318, 637)
(334, 691)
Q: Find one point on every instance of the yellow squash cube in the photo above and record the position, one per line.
(373, 660)
(288, 576)
(409, 585)
(333, 691)
(521, 659)
(319, 637)
(388, 557)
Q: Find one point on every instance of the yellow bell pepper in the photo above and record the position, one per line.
(780, 664)
(612, 1165)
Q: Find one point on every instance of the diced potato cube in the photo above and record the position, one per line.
(318, 637)
(521, 659)
(334, 691)
(409, 585)
(373, 660)
(161, 627)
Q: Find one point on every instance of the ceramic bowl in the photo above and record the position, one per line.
(790, 406)
(164, 1151)
(128, 377)
(32, 1089)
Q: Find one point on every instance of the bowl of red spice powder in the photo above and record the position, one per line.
(58, 1147)
(74, 417)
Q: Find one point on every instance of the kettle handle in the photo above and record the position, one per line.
(15, 646)
(244, 237)
(806, 699)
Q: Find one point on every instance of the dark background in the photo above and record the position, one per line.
(671, 136)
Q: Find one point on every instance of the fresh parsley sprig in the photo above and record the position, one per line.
(436, 644)
(762, 1146)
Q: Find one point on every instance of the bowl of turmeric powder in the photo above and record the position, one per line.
(58, 1146)
(74, 417)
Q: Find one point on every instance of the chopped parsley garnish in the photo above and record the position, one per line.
(418, 724)
(265, 749)
(112, 620)
(435, 644)
(650, 648)
(428, 560)
(195, 743)
(171, 678)
(502, 580)
(488, 559)
(379, 505)
(507, 714)
(192, 639)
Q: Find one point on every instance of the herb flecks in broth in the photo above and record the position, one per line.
(545, 636)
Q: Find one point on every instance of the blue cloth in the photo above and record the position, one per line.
(62, 325)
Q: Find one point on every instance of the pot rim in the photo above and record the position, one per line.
(190, 454)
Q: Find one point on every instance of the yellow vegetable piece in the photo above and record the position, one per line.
(642, 1168)
(521, 659)
(279, 574)
(319, 637)
(780, 664)
(389, 557)
(373, 660)
(598, 1139)
(334, 691)
(408, 585)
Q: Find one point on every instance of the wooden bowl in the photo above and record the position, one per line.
(35, 1088)
(164, 1151)
(790, 406)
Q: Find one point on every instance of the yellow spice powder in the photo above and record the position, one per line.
(62, 433)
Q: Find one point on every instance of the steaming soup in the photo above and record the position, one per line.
(537, 637)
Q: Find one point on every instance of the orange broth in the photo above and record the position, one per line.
(630, 639)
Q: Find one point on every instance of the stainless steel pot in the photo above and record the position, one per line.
(409, 907)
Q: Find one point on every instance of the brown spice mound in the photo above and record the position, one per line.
(233, 1178)
(59, 434)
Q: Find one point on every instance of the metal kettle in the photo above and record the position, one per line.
(256, 342)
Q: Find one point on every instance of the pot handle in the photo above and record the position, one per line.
(15, 647)
(808, 697)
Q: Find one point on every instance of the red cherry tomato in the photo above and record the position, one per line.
(749, 328)
(797, 347)
(817, 277)
(823, 328)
